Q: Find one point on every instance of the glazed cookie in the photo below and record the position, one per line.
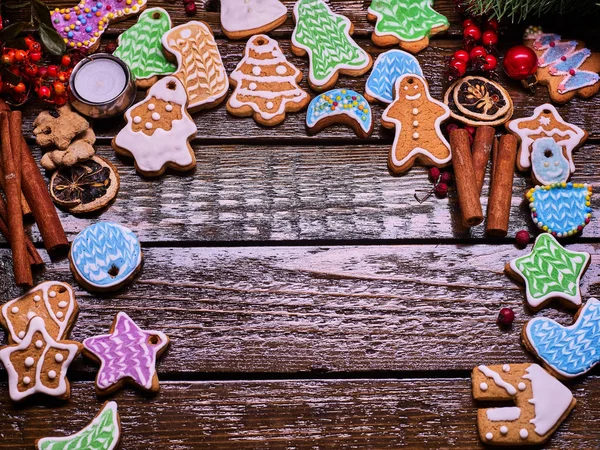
(126, 355)
(408, 23)
(82, 26)
(105, 257)
(158, 131)
(266, 84)
(389, 66)
(244, 18)
(325, 37)
(541, 404)
(549, 272)
(199, 65)
(567, 352)
(417, 118)
(340, 106)
(140, 47)
(86, 186)
(568, 68)
(39, 363)
(103, 433)
(53, 301)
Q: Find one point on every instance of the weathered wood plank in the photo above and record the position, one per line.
(340, 414)
(320, 309)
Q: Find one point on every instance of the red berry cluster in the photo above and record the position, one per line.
(471, 130)
(440, 181)
(479, 49)
(190, 7)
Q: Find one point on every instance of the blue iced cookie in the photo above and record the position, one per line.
(548, 162)
(340, 106)
(387, 69)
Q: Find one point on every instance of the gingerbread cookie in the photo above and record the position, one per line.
(126, 355)
(199, 65)
(568, 68)
(541, 403)
(342, 106)
(389, 66)
(325, 37)
(158, 130)
(53, 301)
(103, 433)
(244, 18)
(105, 257)
(567, 352)
(39, 363)
(266, 84)
(417, 118)
(549, 272)
(82, 26)
(140, 47)
(408, 23)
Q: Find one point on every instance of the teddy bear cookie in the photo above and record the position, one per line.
(567, 68)
(417, 118)
(388, 67)
(408, 23)
(340, 106)
(127, 354)
(244, 18)
(104, 432)
(199, 65)
(540, 404)
(325, 37)
(266, 84)
(158, 130)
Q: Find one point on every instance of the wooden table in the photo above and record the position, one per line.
(310, 300)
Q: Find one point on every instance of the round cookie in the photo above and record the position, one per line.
(548, 163)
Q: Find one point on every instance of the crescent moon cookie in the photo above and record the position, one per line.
(342, 106)
(417, 118)
(105, 257)
(127, 355)
(408, 23)
(244, 18)
(266, 84)
(325, 37)
(388, 67)
(540, 403)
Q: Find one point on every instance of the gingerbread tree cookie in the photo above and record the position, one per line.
(266, 84)
(325, 36)
(417, 118)
(409, 23)
(243, 18)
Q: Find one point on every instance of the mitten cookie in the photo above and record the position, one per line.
(417, 118)
(541, 403)
(325, 36)
(389, 66)
(408, 23)
(126, 355)
(266, 84)
(243, 18)
(567, 352)
(342, 106)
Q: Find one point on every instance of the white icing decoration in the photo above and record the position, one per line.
(281, 70)
(270, 105)
(37, 298)
(256, 70)
(151, 106)
(29, 361)
(14, 310)
(416, 123)
(497, 379)
(252, 86)
(415, 111)
(137, 119)
(506, 414)
(52, 374)
(62, 304)
(259, 14)
(21, 334)
(415, 135)
(30, 315)
(413, 97)
(26, 380)
(59, 357)
(483, 386)
(39, 344)
(523, 433)
(155, 116)
(503, 429)
(522, 386)
(59, 315)
(148, 126)
(52, 294)
(169, 108)
(506, 368)
(489, 436)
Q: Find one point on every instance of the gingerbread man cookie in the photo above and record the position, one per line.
(243, 18)
(541, 403)
(417, 118)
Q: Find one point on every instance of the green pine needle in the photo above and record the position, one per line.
(519, 10)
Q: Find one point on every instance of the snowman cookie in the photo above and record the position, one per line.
(244, 18)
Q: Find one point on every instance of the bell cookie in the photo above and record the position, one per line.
(409, 23)
(549, 272)
(103, 433)
(567, 68)
(266, 84)
(417, 118)
(105, 256)
(83, 25)
(566, 352)
(127, 355)
(340, 106)
(158, 131)
(244, 18)
(541, 404)
(140, 47)
(325, 37)
(199, 65)
(39, 363)
(388, 67)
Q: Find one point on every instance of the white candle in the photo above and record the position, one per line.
(100, 80)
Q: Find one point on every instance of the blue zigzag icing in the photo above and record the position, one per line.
(388, 68)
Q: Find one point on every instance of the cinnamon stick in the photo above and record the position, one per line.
(482, 147)
(502, 183)
(466, 187)
(34, 257)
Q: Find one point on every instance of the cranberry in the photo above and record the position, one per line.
(472, 32)
(446, 177)
(190, 9)
(44, 92)
(490, 62)
(489, 38)
(441, 190)
(66, 60)
(522, 238)
(461, 55)
(35, 56)
(478, 52)
(434, 174)
(506, 316)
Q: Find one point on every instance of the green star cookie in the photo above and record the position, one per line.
(550, 271)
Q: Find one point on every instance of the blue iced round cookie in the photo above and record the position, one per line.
(340, 106)
(390, 66)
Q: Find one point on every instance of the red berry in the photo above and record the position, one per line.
(66, 60)
(478, 52)
(472, 32)
(29, 40)
(492, 24)
(35, 56)
(44, 92)
(59, 88)
(467, 23)
(20, 55)
(35, 47)
(60, 100)
(110, 47)
(490, 62)
(190, 9)
(42, 71)
(63, 76)
(31, 70)
(489, 37)
(471, 130)
(446, 177)
(441, 190)
(522, 238)
(6, 59)
(434, 174)
(52, 71)
(461, 55)
(451, 127)
(20, 88)
(459, 67)
(506, 316)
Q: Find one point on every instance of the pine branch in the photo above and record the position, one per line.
(519, 10)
